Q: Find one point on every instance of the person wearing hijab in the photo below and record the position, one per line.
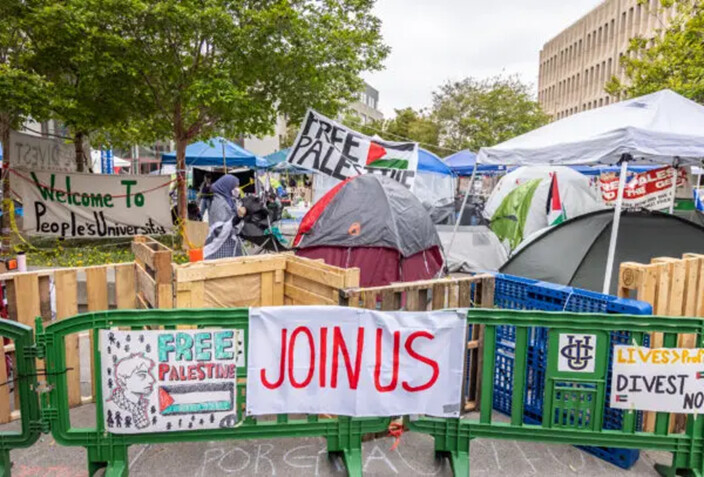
(224, 216)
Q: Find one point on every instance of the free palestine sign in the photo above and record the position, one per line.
(329, 147)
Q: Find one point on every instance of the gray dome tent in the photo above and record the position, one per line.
(574, 253)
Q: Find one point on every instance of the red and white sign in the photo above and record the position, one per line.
(355, 362)
(647, 190)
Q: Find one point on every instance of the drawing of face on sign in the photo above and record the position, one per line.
(134, 383)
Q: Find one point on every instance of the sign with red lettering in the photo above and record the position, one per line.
(169, 380)
(647, 190)
(354, 362)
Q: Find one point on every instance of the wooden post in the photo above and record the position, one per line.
(66, 283)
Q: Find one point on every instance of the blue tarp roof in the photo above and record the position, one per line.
(210, 152)
(597, 170)
(429, 162)
(462, 163)
(277, 157)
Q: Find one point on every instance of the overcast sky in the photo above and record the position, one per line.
(433, 41)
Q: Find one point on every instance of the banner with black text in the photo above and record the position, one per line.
(333, 149)
(93, 205)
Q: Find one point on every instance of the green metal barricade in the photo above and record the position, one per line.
(343, 434)
(573, 403)
(25, 378)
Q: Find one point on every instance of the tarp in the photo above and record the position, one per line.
(277, 157)
(576, 193)
(210, 153)
(659, 128)
(462, 164)
(574, 253)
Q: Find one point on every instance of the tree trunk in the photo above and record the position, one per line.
(78, 144)
(6, 192)
(181, 178)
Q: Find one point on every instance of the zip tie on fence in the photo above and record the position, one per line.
(41, 372)
(396, 430)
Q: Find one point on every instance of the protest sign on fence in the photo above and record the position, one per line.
(158, 381)
(329, 147)
(658, 379)
(41, 153)
(93, 205)
(354, 362)
(647, 190)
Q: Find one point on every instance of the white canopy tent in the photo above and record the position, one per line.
(659, 128)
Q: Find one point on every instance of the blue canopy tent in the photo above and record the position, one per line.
(462, 164)
(277, 157)
(217, 152)
(435, 186)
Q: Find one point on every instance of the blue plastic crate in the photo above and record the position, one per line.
(519, 293)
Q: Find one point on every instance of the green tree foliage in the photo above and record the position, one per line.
(480, 113)
(93, 90)
(673, 59)
(219, 66)
(23, 93)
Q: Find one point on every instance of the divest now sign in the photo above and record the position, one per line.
(658, 379)
(354, 362)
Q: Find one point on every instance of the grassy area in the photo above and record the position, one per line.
(43, 252)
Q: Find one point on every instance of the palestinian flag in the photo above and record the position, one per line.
(700, 375)
(388, 157)
(556, 214)
(622, 398)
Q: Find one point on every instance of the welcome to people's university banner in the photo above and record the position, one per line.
(354, 362)
(658, 379)
(329, 147)
(93, 205)
(161, 381)
(41, 153)
(647, 190)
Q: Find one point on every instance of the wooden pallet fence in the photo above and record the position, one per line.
(266, 280)
(460, 292)
(674, 287)
(153, 273)
(55, 295)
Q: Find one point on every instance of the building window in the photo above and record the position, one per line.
(607, 100)
(601, 103)
(613, 27)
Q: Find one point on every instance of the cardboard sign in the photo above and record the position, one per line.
(94, 205)
(354, 362)
(647, 190)
(658, 379)
(340, 152)
(158, 381)
(41, 153)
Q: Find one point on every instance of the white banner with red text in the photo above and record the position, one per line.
(648, 190)
(355, 362)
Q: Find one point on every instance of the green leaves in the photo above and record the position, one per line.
(673, 59)
(480, 113)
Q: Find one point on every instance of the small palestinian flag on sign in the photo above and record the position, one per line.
(390, 156)
(555, 211)
(622, 398)
(700, 375)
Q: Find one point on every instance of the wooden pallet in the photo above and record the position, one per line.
(674, 287)
(460, 292)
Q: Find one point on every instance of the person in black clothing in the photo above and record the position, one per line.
(206, 194)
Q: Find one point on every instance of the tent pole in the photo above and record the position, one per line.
(224, 159)
(674, 190)
(614, 227)
(464, 203)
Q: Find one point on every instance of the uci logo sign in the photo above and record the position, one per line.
(577, 353)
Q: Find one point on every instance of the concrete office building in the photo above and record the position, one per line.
(576, 64)
(366, 106)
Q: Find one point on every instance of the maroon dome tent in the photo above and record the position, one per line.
(376, 224)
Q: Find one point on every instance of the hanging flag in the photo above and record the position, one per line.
(556, 214)
(699, 199)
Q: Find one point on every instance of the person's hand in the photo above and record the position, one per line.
(241, 211)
